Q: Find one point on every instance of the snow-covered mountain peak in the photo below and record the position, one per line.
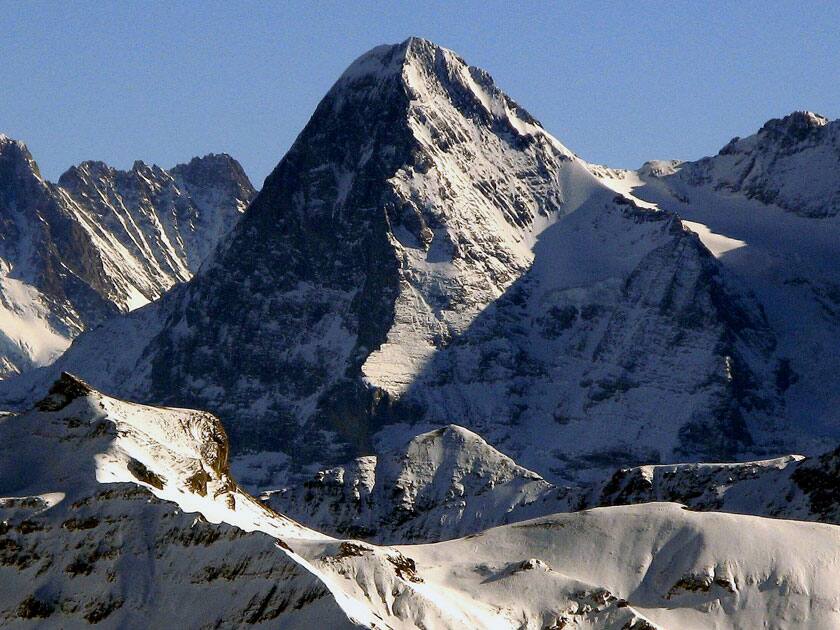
(795, 123)
(429, 73)
(438, 485)
(453, 451)
(167, 450)
(6, 141)
(210, 164)
(770, 166)
(88, 168)
(659, 168)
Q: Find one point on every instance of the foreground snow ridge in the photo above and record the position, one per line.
(125, 515)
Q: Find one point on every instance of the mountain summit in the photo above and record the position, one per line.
(769, 165)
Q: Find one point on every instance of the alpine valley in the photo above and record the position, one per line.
(439, 372)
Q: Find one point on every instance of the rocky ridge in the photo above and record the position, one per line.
(100, 242)
(100, 493)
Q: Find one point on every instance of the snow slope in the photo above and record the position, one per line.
(124, 515)
(100, 242)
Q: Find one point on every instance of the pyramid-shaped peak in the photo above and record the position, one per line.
(388, 60)
(417, 72)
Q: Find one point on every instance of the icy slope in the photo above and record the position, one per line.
(99, 242)
(426, 254)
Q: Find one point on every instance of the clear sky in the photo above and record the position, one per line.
(617, 82)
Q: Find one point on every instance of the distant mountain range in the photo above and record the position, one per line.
(100, 242)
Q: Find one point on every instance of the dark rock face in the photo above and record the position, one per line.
(64, 391)
(101, 241)
(819, 479)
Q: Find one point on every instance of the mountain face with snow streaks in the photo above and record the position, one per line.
(100, 242)
(768, 166)
(425, 254)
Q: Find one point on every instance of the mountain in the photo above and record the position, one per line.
(768, 165)
(100, 242)
(441, 485)
(125, 516)
(97, 529)
(426, 253)
(767, 207)
(450, 482)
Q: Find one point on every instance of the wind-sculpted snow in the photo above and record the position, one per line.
(100, 242)
(426, 254)
(124, 515)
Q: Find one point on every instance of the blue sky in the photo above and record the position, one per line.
(617, 82)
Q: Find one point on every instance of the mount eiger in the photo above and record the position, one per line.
(433, 319)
